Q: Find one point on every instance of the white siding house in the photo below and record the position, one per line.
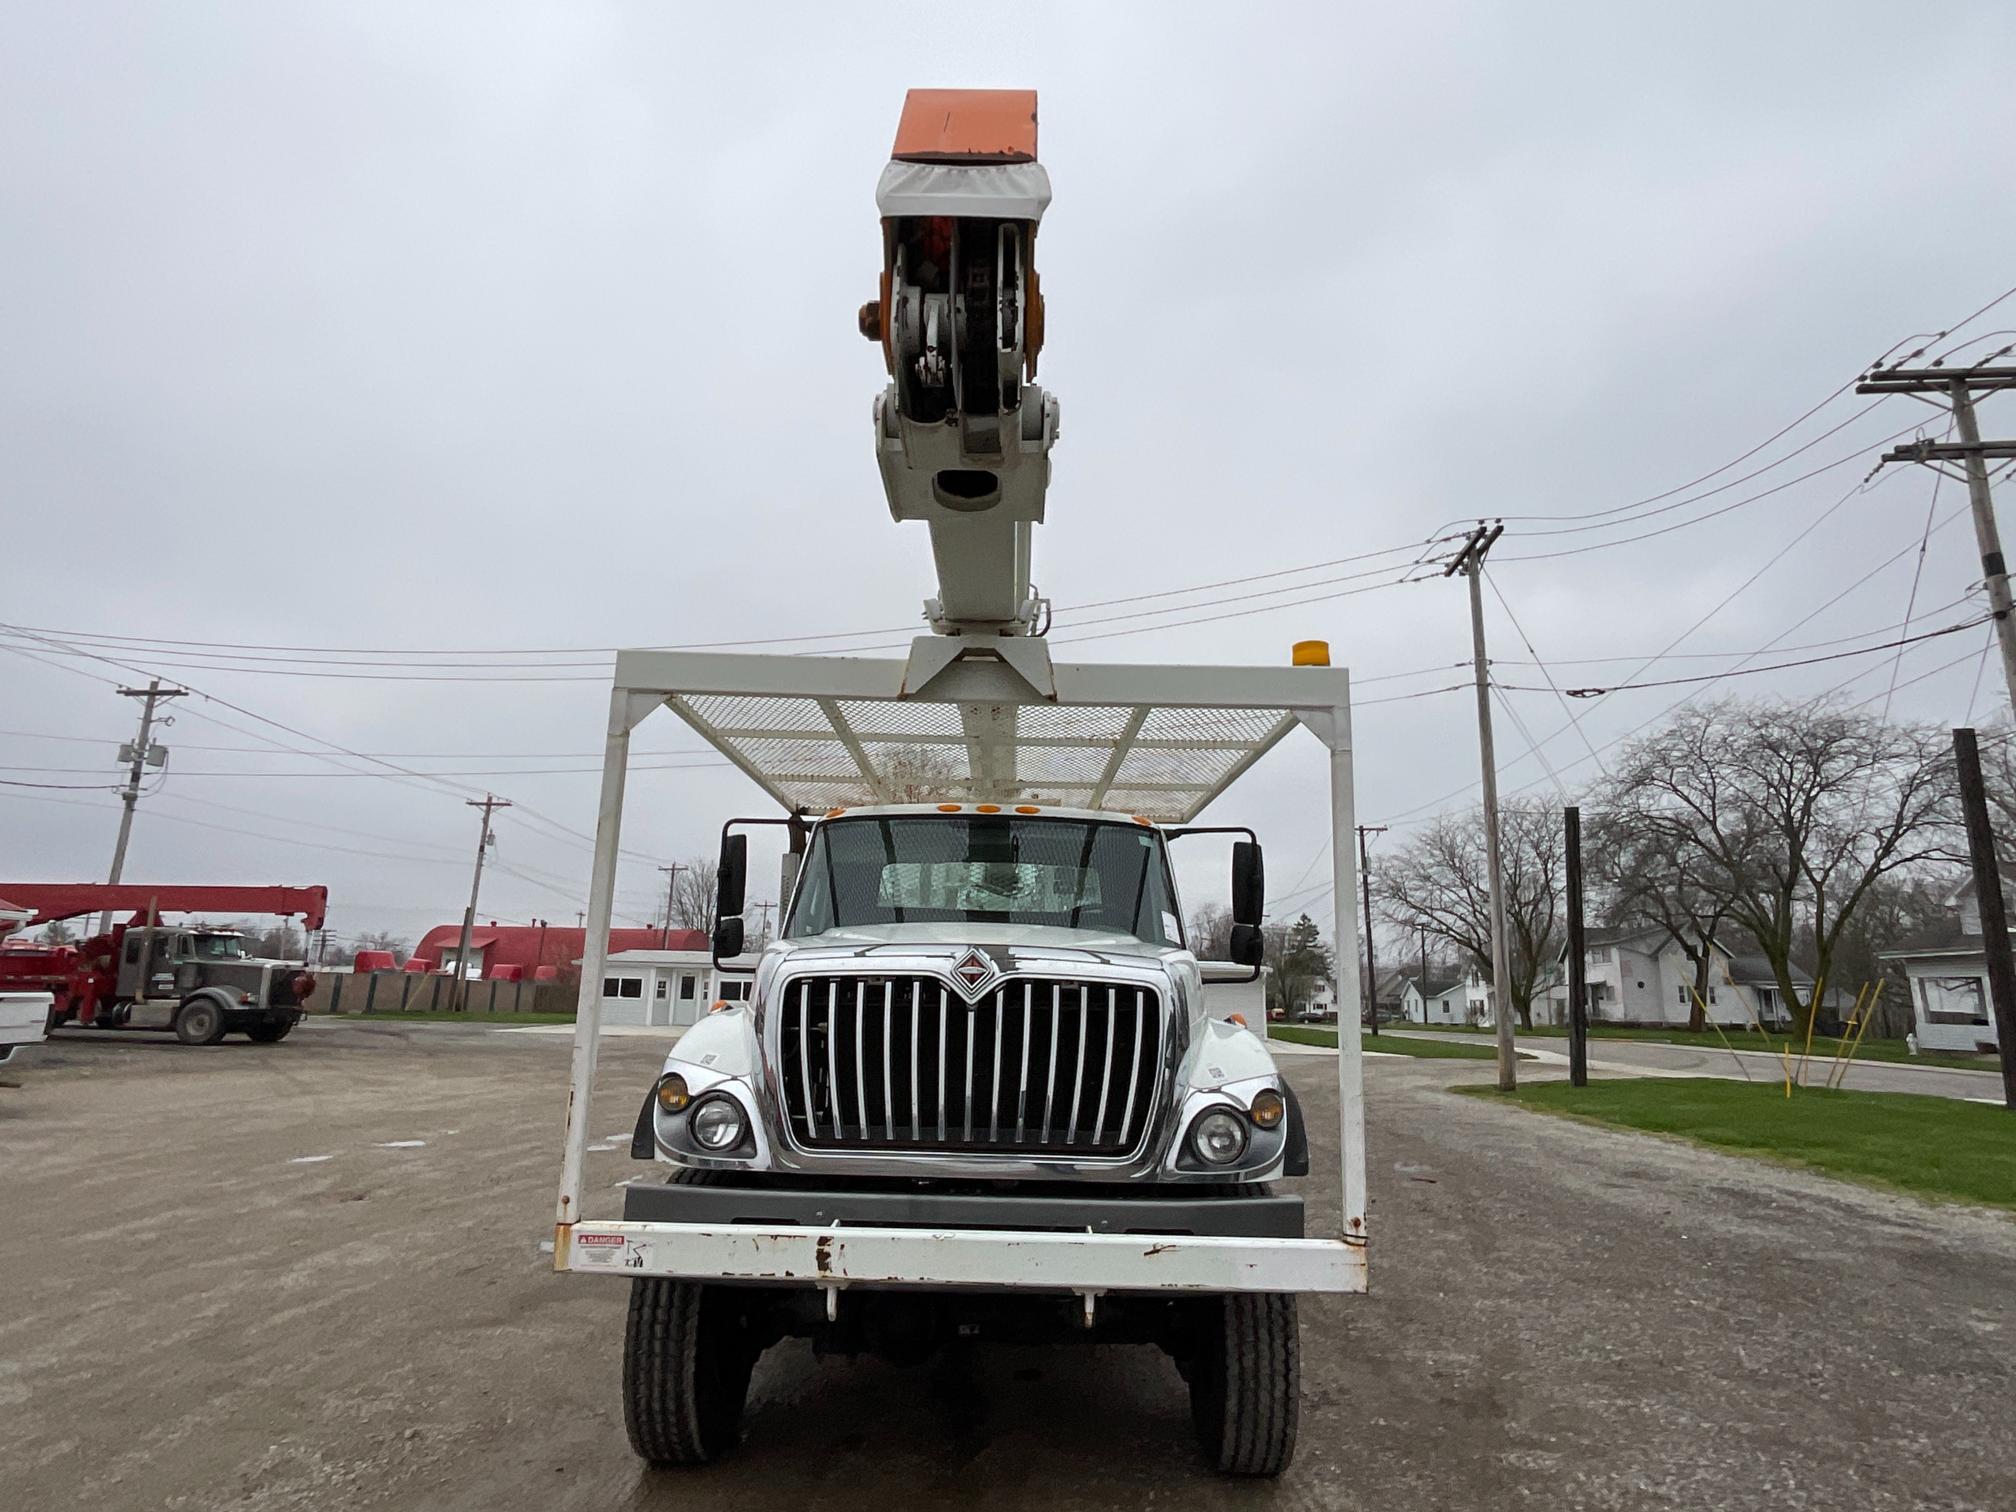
(1947, 971)
(1643, 977)
(665, 987)
(1441, 1004)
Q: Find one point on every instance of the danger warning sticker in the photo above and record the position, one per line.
(599, 1249)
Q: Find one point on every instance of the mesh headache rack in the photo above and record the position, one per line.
(982, 720)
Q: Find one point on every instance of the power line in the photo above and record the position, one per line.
(408, 774)
(1917, 572)
(1810, 661)
(1527, 641)
(1407, 816)
(1826, 467)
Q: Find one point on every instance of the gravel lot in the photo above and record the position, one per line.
(309, 1276)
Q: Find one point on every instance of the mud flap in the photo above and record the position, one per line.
(1295, 1159)
(643, 1146)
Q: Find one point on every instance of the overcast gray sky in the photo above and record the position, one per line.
(531, 326)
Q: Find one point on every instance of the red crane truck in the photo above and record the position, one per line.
(195, 979)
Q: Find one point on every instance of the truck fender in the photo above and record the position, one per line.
(224, 998)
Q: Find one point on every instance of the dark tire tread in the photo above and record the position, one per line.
(1247, 1384)
(686, 1363)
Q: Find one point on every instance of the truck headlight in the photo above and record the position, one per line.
(1218, 1137)
(718, 1123)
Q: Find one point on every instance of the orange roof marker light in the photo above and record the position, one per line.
(1027, 808)
(1138, 819)
(948, 808)
(835, 813)
(986, 808)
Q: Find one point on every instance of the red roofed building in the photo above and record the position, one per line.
(495, 949)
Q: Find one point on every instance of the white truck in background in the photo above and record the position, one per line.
(24, 1016)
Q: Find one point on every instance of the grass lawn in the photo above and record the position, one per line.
(1824, 1046)
(442, 1016)
(1932, 1146)
(1302, 1034)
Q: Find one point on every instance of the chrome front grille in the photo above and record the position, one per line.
(905, 1063)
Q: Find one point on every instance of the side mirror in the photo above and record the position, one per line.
(732, 878)
(1248, 947)
(1249, 889)
(727, 940)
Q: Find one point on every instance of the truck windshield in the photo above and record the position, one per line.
(220, 947)
(985, 868)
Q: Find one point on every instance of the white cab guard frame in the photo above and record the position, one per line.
(805, 728)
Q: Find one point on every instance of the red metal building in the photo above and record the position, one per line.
(507, 952)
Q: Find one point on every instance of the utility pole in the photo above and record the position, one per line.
(1578, 966)
(1470, 561)
(139, 756)
(1365, 889)
(487, 803)
(1958, 386)
(1994, 912)
(763, 929)
(671, 893)
(1423, 928)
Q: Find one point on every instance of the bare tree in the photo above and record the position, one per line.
(1651, 887)
(1438, 881)
(693, 890)
(1793, 812)
(1211, 932)
(385, 939)
(1998, 776)
(1895, 908)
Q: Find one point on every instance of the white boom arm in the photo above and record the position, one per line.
(962, 437)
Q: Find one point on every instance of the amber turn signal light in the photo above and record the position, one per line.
(672, 1093)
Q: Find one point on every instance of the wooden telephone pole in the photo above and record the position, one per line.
(139, 756)
(487, 803)
(1959, 386)
(1470, 562)
(1365, 888)
(1988, 898)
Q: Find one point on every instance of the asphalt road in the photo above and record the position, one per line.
(1622, 1057)
(309, 1276)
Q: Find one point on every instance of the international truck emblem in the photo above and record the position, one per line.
(974, 972)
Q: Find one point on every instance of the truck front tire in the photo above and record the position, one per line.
(687, 1355)
(201, 1022)
(1246, 1383)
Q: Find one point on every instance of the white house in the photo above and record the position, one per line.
(1643, 977)
(1442, 1003)
(665, 987)
(1320, 1002)
(1461, 999)
(1947, 970)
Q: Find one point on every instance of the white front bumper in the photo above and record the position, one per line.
(962, 1258)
